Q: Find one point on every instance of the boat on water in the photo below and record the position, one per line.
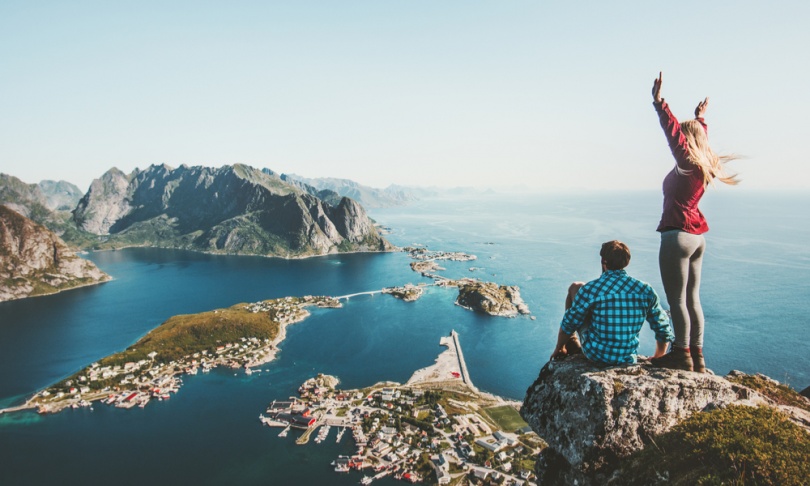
(322, 434)
(366, 480)
(340, 434)
(341, 464)
(284, 432)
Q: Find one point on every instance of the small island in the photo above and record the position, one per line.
(491, 298)
(241, 336)
(408, 292)
(436, 428)
(473, 294)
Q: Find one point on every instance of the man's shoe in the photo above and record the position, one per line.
(676, 359)
(698, 363)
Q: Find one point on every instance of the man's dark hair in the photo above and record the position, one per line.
(615, 255)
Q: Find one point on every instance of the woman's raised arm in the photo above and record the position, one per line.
(656, 89)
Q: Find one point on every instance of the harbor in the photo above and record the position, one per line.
(436, 427)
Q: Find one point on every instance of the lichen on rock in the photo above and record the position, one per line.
(593, 418)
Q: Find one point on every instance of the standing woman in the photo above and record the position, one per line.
(682, 226)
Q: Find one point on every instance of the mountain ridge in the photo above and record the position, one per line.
(233, 209)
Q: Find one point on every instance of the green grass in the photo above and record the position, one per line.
(733, 446)
(781, 394)
(184, 335)
(506, 417)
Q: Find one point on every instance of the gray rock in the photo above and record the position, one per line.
(105, 203)
(491, 298)
(593, 417)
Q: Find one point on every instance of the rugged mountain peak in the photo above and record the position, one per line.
(105, 202)
(26, 199)
(30, 201)
(34, 261)
(232, 209)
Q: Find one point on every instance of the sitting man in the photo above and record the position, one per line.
(608, 313)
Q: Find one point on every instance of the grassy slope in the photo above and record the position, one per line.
(188, 334)
(735, 446)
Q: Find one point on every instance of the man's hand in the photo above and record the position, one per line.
(701, 108)
(656, 89)
(559, 353)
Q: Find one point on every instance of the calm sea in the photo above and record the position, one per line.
(756, 283)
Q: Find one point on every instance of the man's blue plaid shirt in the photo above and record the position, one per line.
(609, 312)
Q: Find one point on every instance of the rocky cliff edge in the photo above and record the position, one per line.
(594, 418)
(34, 261)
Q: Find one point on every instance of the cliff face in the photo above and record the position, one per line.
(594, 418)
(232, 209)
(34, 261)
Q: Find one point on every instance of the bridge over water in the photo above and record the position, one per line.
(349, 296)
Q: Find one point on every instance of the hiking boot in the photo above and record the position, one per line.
(698, 363)
(676, 359)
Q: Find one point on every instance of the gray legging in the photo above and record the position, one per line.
(680, 259)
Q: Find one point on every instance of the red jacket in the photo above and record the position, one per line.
(684, 185)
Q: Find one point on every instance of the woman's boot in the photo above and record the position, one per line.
(698, 363)
(676, 359)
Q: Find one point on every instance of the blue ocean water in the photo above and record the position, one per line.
(754, 294)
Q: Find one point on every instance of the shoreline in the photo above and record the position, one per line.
(394, 249)
(109, 279)
(268, 350)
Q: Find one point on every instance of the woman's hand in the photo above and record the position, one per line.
(656, 89)
(701, 108)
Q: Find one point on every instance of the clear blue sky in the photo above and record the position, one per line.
(474, 93)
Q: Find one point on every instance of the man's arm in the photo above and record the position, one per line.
(572, 320)
(659, 323)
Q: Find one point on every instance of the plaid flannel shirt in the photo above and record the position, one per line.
(609, 312)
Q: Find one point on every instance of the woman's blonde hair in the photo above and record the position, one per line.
(702, 155)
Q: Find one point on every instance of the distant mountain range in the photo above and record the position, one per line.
(34, 261)
(60, 195)
(369, 197)
(232, 209)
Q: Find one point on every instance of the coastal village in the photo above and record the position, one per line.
(436, 429)
(125, 382)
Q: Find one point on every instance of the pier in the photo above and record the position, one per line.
(304, 438)
(465, 375)
(18, 408)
